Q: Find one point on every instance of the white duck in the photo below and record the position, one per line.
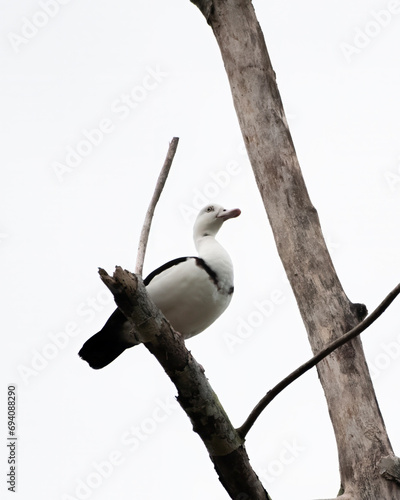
(192, 292)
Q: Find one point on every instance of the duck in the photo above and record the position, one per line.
(192, 292)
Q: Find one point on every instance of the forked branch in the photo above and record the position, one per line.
(195, 394)
(260, 407)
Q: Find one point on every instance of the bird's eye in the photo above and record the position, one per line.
(210, 209)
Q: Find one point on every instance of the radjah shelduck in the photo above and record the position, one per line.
(191, 292)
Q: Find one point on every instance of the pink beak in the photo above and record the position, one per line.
(229, 214)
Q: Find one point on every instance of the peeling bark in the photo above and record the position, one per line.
(327, 312)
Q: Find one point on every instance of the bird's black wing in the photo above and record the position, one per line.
(164, 267)
(107, 344)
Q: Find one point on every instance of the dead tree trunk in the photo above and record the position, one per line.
(327, 313)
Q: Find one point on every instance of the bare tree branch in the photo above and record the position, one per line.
(195, 394)
(144, 235)
(326, 310)
(264, 402)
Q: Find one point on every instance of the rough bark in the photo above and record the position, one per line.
(326, 310)
(195, 394)
(389, 468)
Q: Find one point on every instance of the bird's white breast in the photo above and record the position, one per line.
(189, 298)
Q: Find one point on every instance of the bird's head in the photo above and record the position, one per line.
(211, 218)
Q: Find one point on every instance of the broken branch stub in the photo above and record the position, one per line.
(196, 396)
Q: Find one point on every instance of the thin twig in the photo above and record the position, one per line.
(144, 235)
(264, 402)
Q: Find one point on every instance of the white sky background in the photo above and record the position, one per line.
(70, 76)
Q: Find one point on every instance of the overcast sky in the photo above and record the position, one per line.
(91, 94)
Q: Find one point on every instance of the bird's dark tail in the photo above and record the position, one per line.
(106, 345)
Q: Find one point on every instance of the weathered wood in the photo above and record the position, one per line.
(326, 310)
(195, 394)
(389, 468)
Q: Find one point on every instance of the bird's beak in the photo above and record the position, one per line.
(229, 214)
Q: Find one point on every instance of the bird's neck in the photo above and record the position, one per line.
(207, 246)
(217, 258)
